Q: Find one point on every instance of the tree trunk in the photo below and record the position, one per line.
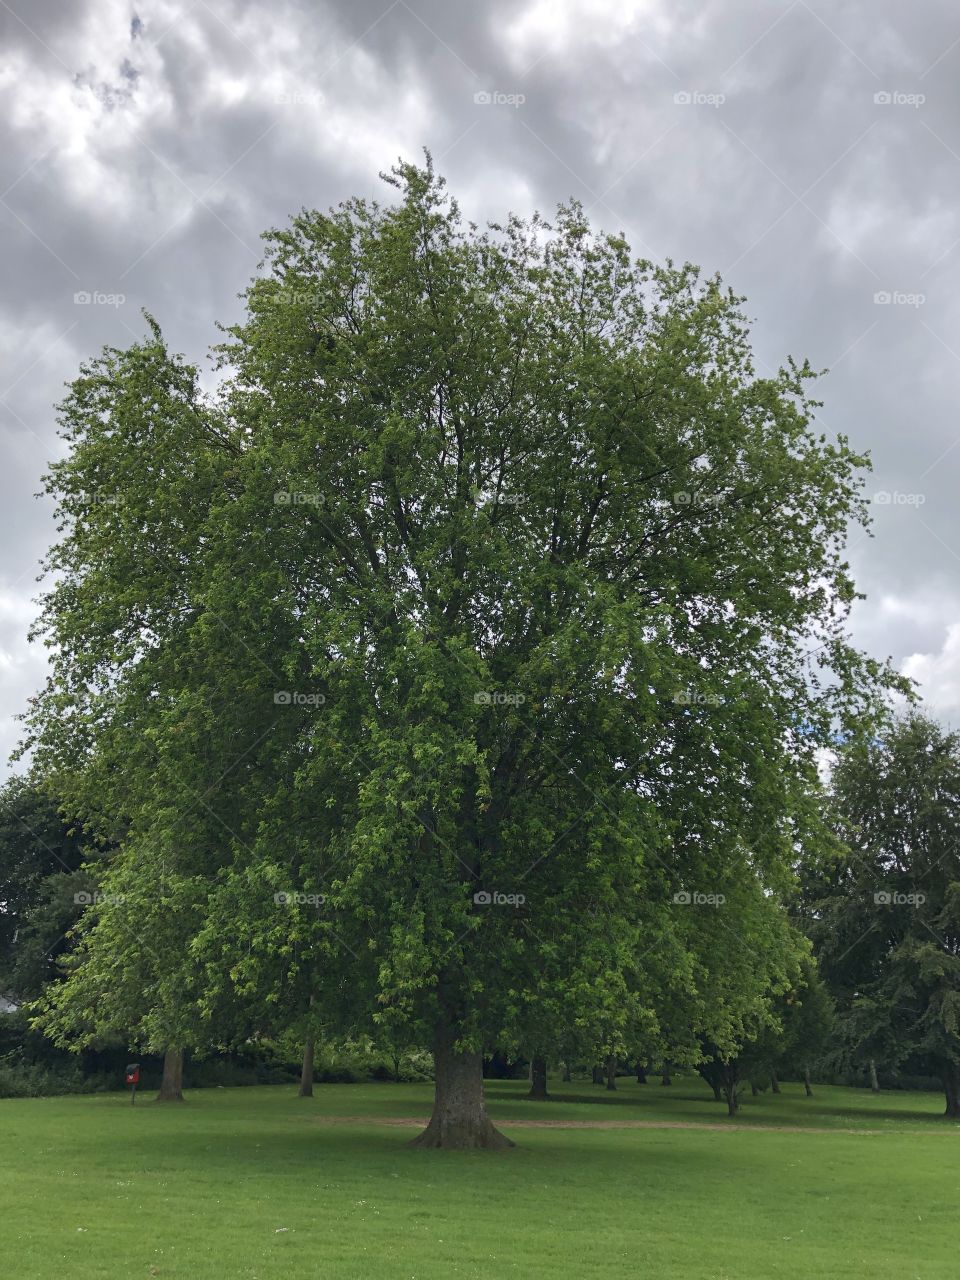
(774, 1082)
(641, 1073)
(717, 1093)
(567, 1075)
(732, 1100)
(306, 1071)
(874, 1082)
(538, 1078)
(459, 1119)
(171, 1085)
(754, 1091)
(951, 1087)
(806, 1082)
(397, 1060)
(598, 1075)
(666, 1074)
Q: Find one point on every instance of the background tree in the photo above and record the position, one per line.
(884, 912)
(42, 876)
(808, 1020)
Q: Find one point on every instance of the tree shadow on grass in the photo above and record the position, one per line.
(613, 1098)
(868, 1116)
(787, 1108)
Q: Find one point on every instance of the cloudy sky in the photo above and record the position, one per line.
(809, 152)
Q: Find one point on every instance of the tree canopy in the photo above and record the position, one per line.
(461, 664)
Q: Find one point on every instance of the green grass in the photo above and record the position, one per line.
(254, 1183)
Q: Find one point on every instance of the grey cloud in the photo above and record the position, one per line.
(808, 194)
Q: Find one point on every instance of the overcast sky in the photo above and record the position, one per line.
(809, 152)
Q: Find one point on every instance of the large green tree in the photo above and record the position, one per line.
(486, 604)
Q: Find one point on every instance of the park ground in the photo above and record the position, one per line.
(649, 1181)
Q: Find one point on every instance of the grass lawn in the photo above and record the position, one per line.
(257, 1184)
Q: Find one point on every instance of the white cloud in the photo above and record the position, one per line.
(23, 666)
(938, 674)
(549, 27)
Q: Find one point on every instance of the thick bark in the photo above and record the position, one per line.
(641, 1073)
(171, 1085)
(538, 1078)
(459, 1119)
(874, 1082)
(951, 1088)
(306, 1071)
(611, 1072)
(774, 1082)
(806, 1082)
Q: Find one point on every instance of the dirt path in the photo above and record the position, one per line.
(416, 1122)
